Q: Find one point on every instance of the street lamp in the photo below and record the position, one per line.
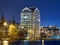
(5, 23)
(5, 31)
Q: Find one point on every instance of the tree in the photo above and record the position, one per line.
(13, 32)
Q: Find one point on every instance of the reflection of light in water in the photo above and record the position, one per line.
(42, 42)
(0, 42)
(26, 42)
(5, 42)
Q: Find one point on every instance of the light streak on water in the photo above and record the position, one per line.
(26, 42)
(42, 42)
(5, 42)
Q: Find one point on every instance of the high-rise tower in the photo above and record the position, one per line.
(30, 19)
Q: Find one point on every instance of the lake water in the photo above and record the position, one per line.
(26, 42)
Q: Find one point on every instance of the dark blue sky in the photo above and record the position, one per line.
(49, 10)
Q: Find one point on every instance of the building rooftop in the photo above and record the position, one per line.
(32, 8)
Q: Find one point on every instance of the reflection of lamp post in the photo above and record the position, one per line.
(41, 37)
(5, 42)
(42, 42)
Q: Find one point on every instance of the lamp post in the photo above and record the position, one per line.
(5, 28)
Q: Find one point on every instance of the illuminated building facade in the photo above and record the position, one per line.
(30, 19)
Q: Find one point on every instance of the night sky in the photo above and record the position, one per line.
(49, 10)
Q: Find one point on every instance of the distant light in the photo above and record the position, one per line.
(28, 37)
(42, 31)
(22, 27)
(46, 32)
(19, 27)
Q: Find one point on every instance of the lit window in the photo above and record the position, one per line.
(25, 16)
(38, 19)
